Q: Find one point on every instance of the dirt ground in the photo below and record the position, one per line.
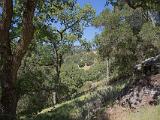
(117, 113)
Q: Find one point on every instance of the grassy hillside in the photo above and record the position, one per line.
(93, 104)
(94, 99)
(86, 107)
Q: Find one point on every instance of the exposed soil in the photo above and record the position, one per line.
(117, 113)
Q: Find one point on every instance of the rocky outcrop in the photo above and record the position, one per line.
(149, 66)
(141, 92)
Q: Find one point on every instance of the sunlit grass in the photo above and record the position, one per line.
(147, 113)
(81, 98)
(75, 108)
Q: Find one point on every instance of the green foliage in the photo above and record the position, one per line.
(98, 69)
(96, 72)
(119, 43)
(145, 4)
(31, 104)
(75, 58)
(58, 25)
(90, 58)
(34, 71)
(37, 73)
(82, 59)
(86, 45)
(81, 64)
(72, 77)
(84, 107)
(68, 26)
(35, 81)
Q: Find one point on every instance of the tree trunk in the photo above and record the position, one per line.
(58, 62)
(8, 98)
(8, 101)
(57, 80)
(10, 61)
(108, 69)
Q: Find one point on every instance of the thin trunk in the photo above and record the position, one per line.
(56, 65)
(108, 69)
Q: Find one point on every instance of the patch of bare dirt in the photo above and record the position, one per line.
(117, 113)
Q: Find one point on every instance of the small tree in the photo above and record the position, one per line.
(70, 24)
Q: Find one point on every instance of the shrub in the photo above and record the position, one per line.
(81, 64)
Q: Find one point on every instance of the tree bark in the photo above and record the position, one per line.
(58, 61)
(10, 61)
(8, 97)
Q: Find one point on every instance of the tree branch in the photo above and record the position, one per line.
(133, 6)
(70, 26)
(5, 47)
(27, 32)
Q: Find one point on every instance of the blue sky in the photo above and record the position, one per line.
(99, 6)
(0, 10)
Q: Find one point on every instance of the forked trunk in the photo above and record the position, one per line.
(10, 61)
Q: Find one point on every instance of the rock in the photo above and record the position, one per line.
(148, 66)
(142, 93)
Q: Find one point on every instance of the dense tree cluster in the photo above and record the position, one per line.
(127, 38)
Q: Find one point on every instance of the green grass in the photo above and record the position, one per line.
(61, 111)
(81, 107)
(147, 113)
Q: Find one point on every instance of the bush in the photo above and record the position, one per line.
(81, 64)
(72, 77)
(85, 107)
(96, 72)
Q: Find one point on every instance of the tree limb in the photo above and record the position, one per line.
(27, 32)
(70, 26)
